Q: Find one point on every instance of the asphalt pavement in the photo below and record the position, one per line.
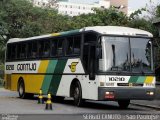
(11, 103)
(14, 108)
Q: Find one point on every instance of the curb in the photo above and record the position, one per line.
(144, 105)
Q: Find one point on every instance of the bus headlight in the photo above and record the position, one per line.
(149, 84)
(150, 93)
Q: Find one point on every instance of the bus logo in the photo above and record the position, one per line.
(73, 66)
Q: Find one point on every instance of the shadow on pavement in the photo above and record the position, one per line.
(96, 105)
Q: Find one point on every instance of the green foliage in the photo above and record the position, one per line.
(19, 19)
(1, 73)
(143, 24)
(136, 14)
(1, 66)
(158, 11)
(100, 17)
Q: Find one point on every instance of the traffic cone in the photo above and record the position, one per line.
(49, 103)
(40, 98)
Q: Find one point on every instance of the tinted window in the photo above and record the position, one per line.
(69, 48)
(32, 49)
(77, 45)
(18, 50)
(40, 48)
(53, 48)
(73, 45)
(90, 37)
(46, 50)
(60, 50)
(29, 50)
(8, 52)
(23, 50)
(13, 53)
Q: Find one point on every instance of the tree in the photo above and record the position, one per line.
(158, 11)
(20, 19)
(99, 17)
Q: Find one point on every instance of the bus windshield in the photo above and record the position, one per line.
(125, 54)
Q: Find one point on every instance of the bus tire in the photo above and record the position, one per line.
(21, 89)
(123, 104)
(77, 95)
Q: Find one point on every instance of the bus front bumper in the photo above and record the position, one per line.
(116, 93)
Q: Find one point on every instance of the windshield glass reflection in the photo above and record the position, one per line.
(140, 55)
(125, 54)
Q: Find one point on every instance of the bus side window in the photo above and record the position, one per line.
(34, 49)
(29, 50)
(46, 50)
(13, 51)
(40, 48)
(53, 48)
(23, 50)
(69, 46)
(60, 50)
(18, 50)
(77, 45)
(8, 52)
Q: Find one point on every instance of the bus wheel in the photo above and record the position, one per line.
(77, 95)
(123, 103)
(21, 89)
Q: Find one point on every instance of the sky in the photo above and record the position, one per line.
(136, 4)
(132, 4)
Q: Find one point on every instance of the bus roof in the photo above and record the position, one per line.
(106, 30)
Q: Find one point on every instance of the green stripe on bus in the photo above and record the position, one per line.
(141, 79)
(57, 78)
(133, 79)
(69, 32)
(48, 78)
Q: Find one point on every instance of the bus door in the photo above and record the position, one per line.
(89, 87)
(89, 59)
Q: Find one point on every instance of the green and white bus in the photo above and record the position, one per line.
(105, 63)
